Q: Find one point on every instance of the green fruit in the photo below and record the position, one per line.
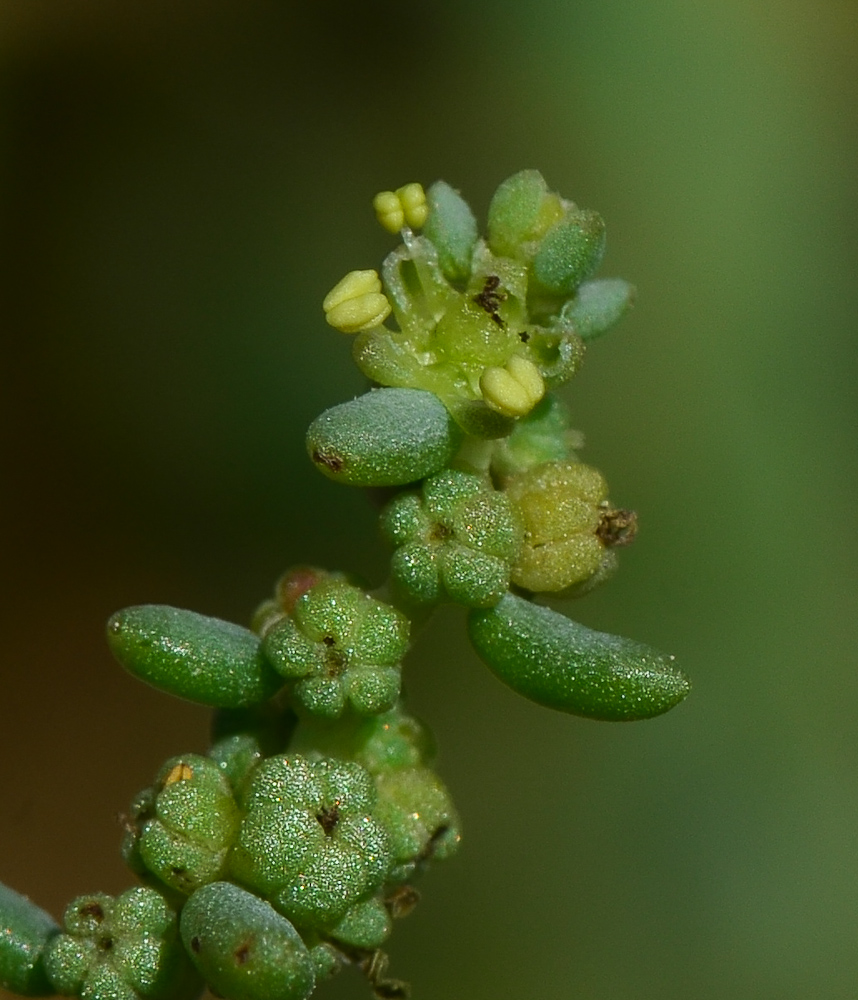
(203, 659)
(455, 540)
(181, 829)
(308, 841)
(243, 948)
(122, 948)
(25, 929)
(339, 647)
(387, 437)
(560, 664)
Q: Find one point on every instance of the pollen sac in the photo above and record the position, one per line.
(25, 930)
(339, 647)
(356, 303)
(244, 948)
(556, 662)
(387, 437)
(181, 829)
(122, 948)
(455, 540)
(562, 506)
(192, 656)
(309, 842)
(404, 207)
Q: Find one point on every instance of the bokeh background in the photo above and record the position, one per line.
(182, 183)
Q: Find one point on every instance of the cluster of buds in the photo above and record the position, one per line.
(286, 851)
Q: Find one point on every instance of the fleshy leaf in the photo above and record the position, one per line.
(192, 656)
(243, 948)
(558, 663)
(387, 437)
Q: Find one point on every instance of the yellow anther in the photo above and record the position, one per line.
(513, 390)
(356, 303)
(181, 772)
(404, 207)
(412, 197)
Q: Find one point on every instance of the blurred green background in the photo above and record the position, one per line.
(182, 183)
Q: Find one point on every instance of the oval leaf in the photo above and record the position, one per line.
(25, 929)
(560, 664)
(243, 948)
(192, 656)
(387, 437)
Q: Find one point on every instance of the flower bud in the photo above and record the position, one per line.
(597, 306)
(570, 252)
(521, 212)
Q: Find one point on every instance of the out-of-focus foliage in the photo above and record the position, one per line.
(181, 185)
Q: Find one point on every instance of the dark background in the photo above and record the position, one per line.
(182, 183)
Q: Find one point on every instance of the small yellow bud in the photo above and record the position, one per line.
(356, 303)
(513, 390)
(405, 206)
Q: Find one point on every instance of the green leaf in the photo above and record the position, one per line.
(25, 929)
(520, 212)
(570, 252)
(387, 437)
(560, 664)
(192, 656)
(243, 948)
(451, 226)
(598, 306)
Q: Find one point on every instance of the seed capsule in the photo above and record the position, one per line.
(560, 664)
(206, 660)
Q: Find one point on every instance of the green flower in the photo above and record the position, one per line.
(488, 325)
(413, 804)
(416, 810)
(309, 842)
(569, 527)
(456, 540)
(339, 647)
(122, 948)
(181, 829)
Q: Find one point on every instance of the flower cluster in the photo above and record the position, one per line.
(288, 849)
